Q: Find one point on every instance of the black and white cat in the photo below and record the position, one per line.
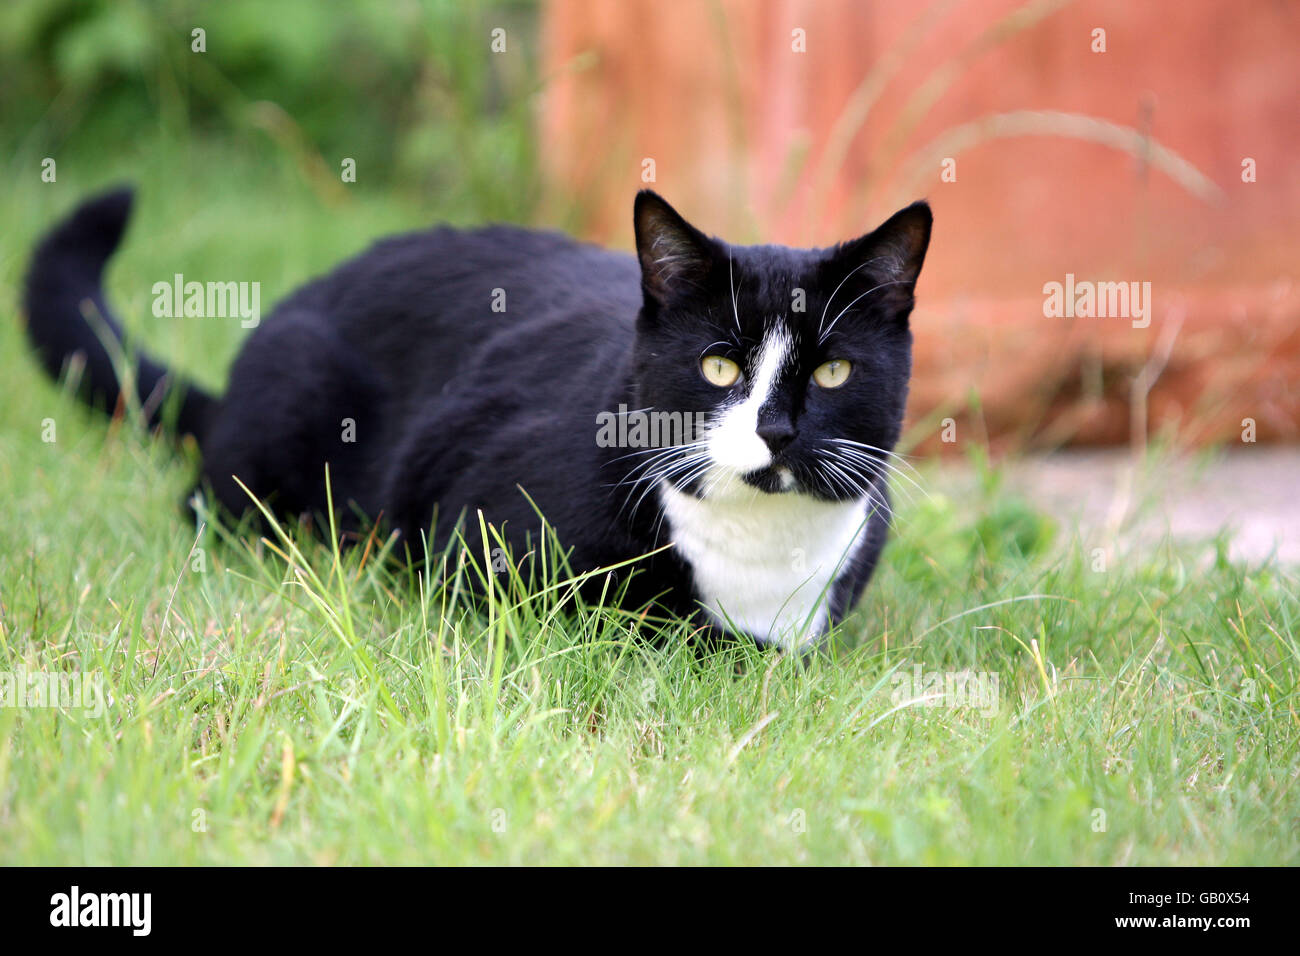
(472, 370)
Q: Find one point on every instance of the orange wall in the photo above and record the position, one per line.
(740, 127)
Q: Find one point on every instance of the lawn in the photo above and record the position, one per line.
(274, 702)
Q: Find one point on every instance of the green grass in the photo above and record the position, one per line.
(324, 710)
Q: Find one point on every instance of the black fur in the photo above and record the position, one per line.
(461, 408)
(64, 295)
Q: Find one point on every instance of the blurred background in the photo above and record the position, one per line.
(1111, 141)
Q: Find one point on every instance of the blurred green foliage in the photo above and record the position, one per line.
(411, 90)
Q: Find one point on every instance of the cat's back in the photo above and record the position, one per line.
(450, 317)
(464, 284)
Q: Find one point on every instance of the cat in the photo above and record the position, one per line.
(446, 372)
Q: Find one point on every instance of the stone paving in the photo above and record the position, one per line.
(1253, 491)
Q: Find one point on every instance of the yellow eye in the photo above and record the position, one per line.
(832, 374)
(719, 371)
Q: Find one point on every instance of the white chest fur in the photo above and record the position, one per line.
(765, 562)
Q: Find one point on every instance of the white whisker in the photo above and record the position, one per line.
(859, 266)
(859, 458)
(882, 285)
(731, 281)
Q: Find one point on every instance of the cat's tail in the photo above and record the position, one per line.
(69, 322)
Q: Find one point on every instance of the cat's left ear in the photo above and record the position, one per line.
(895, 251)
(676, 258)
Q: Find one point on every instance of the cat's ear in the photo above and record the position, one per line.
(895, 251)
(675, 256)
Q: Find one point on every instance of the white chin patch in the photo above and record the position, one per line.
(733, 441)
(765, 563)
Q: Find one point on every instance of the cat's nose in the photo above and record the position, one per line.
(777, 435)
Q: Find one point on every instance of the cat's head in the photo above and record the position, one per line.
(798, 359)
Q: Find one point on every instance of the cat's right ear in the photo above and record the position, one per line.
(675, 256)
